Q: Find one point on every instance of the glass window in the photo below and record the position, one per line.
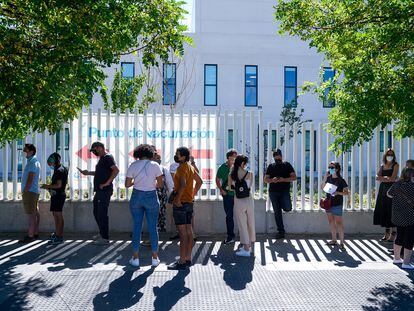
(290, 87)
(66, 140)
(328, 74)
(307, 150)
(210, 85)
(169, 84)
(230, 139)
(128, 70)
(250, 86)
(390, 138)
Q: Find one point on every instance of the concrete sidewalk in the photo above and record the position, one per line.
(299, 273)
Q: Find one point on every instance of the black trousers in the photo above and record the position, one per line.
(101, 201)
(405, 237)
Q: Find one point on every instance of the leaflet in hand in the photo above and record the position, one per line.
(330, 188)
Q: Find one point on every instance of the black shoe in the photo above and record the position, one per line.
(177, 266)
(280, 235)
(175, 237)
(228, 241)
(26, 239)
(195, 238)
(188, 263)
(36, 236)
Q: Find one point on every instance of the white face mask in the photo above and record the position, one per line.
(389, 158)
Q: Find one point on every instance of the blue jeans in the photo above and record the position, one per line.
(280, 201)
(144, 202)
(228, 202)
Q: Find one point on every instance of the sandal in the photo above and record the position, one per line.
(392, 237)
(342, 247)
(331, 243)
(386, 236)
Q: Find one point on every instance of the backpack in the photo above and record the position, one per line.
(241, 189)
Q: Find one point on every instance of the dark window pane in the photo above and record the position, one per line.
(251, 92)
(251, 76)
(210, 96)
(127, 70)
(211, 75)
(328, 73)
(169, 95)
(290, 77)
(290, 97)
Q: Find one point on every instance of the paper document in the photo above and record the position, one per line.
(330, 188)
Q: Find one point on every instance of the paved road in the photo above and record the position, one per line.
(295, 274)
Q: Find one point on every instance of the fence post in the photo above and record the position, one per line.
(262, 155)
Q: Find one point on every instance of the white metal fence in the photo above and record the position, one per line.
(209, 134)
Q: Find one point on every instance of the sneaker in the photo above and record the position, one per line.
(52, 239)
(134, 262)
(189, 263)
(26, 240)
(96, 236)
(175, 237)
(408, 267)
(101, 242)
(397, 261)
(243, 253)
(155, 262)
(177, 266)
(280, 235)
(56, 241)
(195, 238)
(36, 236)
(229, 241)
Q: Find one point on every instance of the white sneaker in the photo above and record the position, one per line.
(243, 253)
(397, 261)
(408, 267)
(155, 262)
(134, 262)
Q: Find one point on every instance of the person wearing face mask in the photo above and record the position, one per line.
(30, 192)
(279, 176)
(57, 189)
(334, 214)
(387, 175)
(222, 177)
(105, 172)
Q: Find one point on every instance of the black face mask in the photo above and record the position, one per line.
(278, 161)
(176, 159)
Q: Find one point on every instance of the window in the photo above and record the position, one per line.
(169, 84)
(128, 70)
(210, 85)
(273, 140)
(66, 144)
(250, 86)
(230, 144)
(291, 93)
(389, 145)
(328, 74)
(307, 150)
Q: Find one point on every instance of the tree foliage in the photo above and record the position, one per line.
(370, 44)
(52, 54)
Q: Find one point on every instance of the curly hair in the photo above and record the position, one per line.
(144, 151)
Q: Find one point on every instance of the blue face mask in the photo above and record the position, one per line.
(331, 171)
(52, 167)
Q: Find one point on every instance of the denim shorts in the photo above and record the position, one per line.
(335, 210)
(183, 215)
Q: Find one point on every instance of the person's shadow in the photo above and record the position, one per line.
(122, 292)
(171, 292)
(237, 270)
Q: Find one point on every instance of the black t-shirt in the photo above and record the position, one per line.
(60, 173)
(283, 170)
(341, 184)
(103, 172)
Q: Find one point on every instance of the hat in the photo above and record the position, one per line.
(277, 152)
(97, 144)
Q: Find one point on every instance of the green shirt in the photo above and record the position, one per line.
(223, 174)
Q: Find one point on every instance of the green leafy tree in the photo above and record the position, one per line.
(289, 116)
(370, 44)
(52, 54)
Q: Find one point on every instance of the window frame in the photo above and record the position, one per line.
(206, 84)
(255, 86)
(133, 69)
(167, 84)
(290, 87)
(325, 100)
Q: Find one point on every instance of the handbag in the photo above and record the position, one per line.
(325, 203)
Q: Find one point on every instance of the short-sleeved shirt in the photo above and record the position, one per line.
(103, 171)
(402, 211)
(187, 171)
(59, 173)
(282, 170)
(32, 166)
(173, 167)
(144, 173)
(223, 174)
(341, 185)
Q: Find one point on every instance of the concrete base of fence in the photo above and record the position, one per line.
(209, 218)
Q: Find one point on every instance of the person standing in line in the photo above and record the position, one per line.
(279, 176)
(57, 189)
(387, 175)
(402, 194)
(222, 178)
(145, 176)
(30, 192)
(409, 163)
(334, 214)
(241, 180)
(105, 172)
(185, 191)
